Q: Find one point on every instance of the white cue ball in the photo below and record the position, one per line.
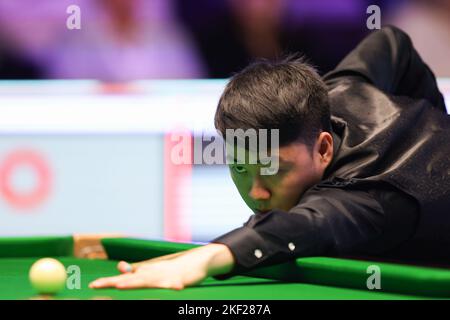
(48, 276)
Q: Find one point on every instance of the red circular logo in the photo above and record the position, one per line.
(34, 197)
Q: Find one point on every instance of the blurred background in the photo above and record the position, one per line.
(87, 115)
(123, 40)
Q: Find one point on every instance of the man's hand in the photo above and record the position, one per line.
(175, 271)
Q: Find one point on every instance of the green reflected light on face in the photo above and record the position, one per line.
(278, 191)
(255, 188)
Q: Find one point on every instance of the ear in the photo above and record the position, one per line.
(324, 149)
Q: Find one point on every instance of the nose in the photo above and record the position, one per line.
(258, 191)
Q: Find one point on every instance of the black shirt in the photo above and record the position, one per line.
(387, 191)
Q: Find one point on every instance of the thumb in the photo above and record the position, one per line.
(124, 267)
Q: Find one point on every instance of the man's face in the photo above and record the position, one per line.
(299, 169)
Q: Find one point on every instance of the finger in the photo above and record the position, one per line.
(177, 285)
(109, 282)
(133, 283)
(140, 282)
(125, 267)
(171, 284)
(136, 265)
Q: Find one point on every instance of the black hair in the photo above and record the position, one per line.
(288, 95)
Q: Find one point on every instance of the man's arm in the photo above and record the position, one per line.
(328, 221)
(387, 59)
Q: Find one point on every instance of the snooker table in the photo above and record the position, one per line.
(304, 278)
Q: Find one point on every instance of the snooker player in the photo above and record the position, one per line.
(364, 167)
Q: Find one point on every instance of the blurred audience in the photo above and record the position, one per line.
(123, 40)
(232, 33)
(428, 24)
(119, 40)
(13, 66)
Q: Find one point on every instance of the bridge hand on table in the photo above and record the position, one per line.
(170, 272)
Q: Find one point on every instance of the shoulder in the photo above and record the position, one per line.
(372, 59)
(341, 195)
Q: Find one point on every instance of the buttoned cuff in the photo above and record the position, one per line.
(248, 249)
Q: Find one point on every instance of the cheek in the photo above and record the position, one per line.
(242, 184)
(286, 190)
(294, 185)
(286, 196)
(292, 190)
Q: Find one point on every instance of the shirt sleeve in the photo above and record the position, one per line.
(387, 59)
(327, 221)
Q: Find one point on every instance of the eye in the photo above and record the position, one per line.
(239, 169)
